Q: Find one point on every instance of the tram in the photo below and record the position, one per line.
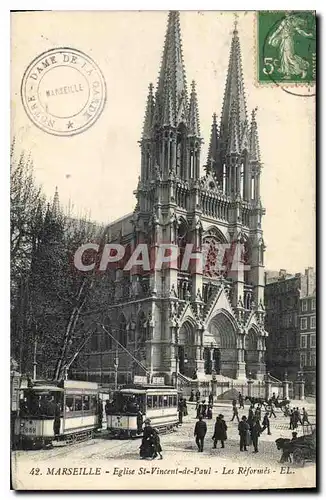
(131, 406)
(65, 411)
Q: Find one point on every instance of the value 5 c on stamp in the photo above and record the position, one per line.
(63, 91)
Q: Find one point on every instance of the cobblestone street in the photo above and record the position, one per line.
(179, 450)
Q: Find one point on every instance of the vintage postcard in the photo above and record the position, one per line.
(163, 290)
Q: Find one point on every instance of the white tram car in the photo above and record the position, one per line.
(131, 406)
(48, 411)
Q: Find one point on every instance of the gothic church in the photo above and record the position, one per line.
(193, 323)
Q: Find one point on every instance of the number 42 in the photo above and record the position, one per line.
(269, 65)
(35, 471)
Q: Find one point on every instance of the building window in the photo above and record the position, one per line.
(313, 304)
(304, 305)
(303, 360)
(303, 341)
(313, 360)
(303, 324)
(313, 340)
(313, 322)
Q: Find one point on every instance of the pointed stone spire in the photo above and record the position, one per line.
(254, 152)
(193, 115)
(149, 113)
(233, 135)
(234, 102)
(56, 203)
(167, 115)
(172, 77)
(212, 156)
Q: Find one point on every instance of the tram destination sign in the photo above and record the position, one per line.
(139, 379)
(158, 381)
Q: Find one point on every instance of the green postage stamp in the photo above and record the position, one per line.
(286, 47)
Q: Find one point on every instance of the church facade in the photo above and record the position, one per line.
(200, 320)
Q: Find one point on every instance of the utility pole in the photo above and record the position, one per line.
(116, 364)
(34, 358)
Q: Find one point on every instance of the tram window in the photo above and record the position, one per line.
(78, 403)
(93, 403)
(149, 402)
(165, 401)
(85, 402)
(160, 401)
(155, 402)
(174, 400)
(170, 401)
(69, 403)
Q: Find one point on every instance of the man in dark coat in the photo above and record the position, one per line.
(235, 410)
(305, 416)
(192, 395)
(219, 431)
(57, 422)
(200, 433)
(148, 444)
(266, 424)
(203, 408)
(197, 395)
(243, 429)
(180, 410)
(241, 402)
(255, 433)
(210, 399)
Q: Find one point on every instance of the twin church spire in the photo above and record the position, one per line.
(171, 106)
(173, 111)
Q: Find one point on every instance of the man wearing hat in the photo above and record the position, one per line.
(200, 432)
(219, 431)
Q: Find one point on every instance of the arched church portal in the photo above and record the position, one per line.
(221, 353)
(187, 349)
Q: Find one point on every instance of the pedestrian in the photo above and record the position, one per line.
(243, 429)
(255, 433)
(241, 401)
(220, 431)
(266, 424)
(272, 411)
(210, 399)
(180, 410)
(203, 408)
(192, 395)
(198, 409)
(258, 413)
(200, 433)
(157, 444)
(235, 411)
(198, 395)
(291, 420)
(57, 420)
(99, 413)
(209, 412)
(148, 448)
(298, 416)
(305, 416)
(185, 408)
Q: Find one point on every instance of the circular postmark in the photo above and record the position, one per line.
(63, 91)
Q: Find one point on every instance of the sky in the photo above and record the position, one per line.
(96, 171)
